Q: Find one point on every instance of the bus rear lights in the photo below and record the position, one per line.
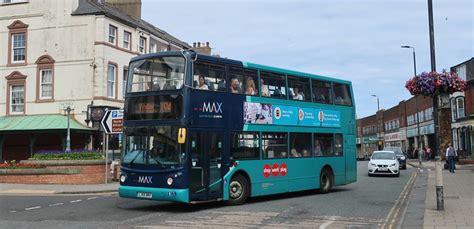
(123, 178)
(169, 181)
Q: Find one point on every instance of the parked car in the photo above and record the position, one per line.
(384, 163)
(402, 158)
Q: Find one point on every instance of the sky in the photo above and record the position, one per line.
(347, 39)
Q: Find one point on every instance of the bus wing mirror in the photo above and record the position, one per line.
(181, 135)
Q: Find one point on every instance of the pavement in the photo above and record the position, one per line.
(6, 189)
(458, 196)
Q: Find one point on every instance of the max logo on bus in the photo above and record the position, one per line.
(145, 179)
(210, 110)
(212, 107)
(275, 170)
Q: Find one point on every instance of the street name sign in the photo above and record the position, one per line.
(112, 122)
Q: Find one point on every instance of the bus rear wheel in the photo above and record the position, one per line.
(238, 190)
(325, 181)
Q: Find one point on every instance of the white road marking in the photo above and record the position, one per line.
(74, 201)
(92, 198)
(52, 205)
(32, 208)
(12, 211)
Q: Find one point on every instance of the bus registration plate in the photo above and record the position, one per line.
(146, 195)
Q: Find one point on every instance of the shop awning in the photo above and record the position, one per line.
(47, 122)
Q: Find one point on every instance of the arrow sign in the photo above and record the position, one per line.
(112, 122)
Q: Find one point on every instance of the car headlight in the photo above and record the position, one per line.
(372, 164)
(169, 181)
(123, 178)
(403, 158)
(393, 164)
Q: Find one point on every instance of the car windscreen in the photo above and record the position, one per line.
(383, 156)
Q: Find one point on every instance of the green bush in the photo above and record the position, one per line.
(67, 156)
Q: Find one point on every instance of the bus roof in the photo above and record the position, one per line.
(244, 64)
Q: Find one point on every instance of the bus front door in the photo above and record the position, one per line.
(206, 165)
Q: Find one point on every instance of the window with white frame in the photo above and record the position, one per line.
(46, 86)
(457, 108)
(153, 46)
(111, 80)
(422, 116)
(112, 34)
(461, 71)
(17, 97)
(142, 45)
(125, 74)
(18, 48)
(126, 40)
(429, 113)
(455, 138)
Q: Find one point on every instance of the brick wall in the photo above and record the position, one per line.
(90, 174)
(469, 98)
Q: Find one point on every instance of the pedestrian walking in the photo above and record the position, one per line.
(428, 153)
(451, 155)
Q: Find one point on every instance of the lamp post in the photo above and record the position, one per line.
(68, 137)
(416, 99)
(378, 104)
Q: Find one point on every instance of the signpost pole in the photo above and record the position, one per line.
(106, 156)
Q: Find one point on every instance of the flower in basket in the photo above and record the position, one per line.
(432, 83)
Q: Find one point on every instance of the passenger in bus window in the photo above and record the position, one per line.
(294, 153)
(202, 84)
(234, 85)
(317, 148)
(306, 153)
(153, 86)
(265, 90)
(250, 87)
(297, 94)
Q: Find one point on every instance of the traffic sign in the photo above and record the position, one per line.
(112, 122)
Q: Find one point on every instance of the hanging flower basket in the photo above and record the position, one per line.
(433, 83)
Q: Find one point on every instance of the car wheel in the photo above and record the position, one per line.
(325, 181)
(405, 166)
(369, 174)
(238, 190)
(398, 174)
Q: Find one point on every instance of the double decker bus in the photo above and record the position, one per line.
(201, 128)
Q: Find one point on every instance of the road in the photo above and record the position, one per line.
(369, 203)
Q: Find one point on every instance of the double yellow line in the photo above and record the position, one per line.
(401, 203)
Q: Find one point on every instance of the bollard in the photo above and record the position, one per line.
(439, 186)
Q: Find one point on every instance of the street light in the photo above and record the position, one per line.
(68, 137)
(378, 104)
(416, 99)
(414, 56)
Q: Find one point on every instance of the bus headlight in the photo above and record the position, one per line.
(123, 178)
(169, 181)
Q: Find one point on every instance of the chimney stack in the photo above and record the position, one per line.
(130, 7)
(202, 48)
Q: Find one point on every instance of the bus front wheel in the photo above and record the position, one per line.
(238, 190)
(325, 181)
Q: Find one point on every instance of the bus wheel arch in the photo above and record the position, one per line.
(326, 179)
(239, 188)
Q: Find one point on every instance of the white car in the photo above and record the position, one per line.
(384, 163)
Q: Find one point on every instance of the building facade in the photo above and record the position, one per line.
(66, 53)
(462, 110)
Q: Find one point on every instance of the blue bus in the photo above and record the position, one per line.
(199, 128)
